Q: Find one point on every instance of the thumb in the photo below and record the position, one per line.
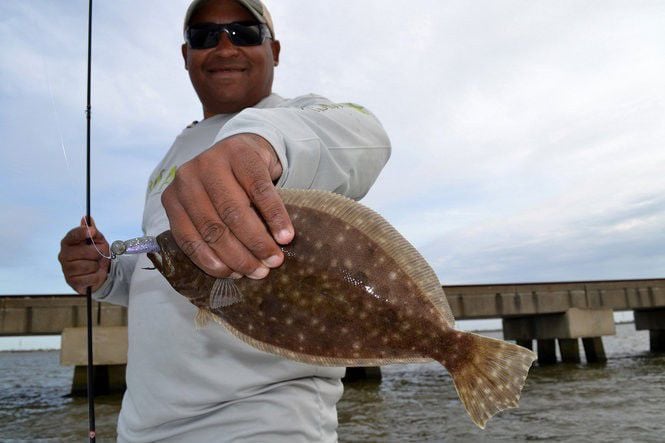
(83, 223)
(91, 231)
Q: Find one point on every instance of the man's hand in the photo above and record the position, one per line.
(225, 212)
(81, 263)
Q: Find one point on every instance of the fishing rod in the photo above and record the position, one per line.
(90, 373)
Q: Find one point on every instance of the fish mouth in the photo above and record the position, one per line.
(157, 260)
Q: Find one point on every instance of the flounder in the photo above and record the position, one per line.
(352, 292)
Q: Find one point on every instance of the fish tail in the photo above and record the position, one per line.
(489, 375)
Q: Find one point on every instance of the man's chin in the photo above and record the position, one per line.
(227, 105)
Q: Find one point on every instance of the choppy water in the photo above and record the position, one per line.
(623, 400)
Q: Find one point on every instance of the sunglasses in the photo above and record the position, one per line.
(207, 35)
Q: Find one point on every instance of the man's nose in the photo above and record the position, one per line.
(225, 44)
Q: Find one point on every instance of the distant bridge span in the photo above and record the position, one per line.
(548, 313)
(49, 314)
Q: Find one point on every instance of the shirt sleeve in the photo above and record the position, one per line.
(115, 289)
(339, 147)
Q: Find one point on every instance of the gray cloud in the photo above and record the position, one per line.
(625, 241)
(527, 135)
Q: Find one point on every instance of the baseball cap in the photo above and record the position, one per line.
(256, 7)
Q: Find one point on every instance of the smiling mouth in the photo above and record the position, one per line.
(226, 71)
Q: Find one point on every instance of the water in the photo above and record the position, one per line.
(623, 400)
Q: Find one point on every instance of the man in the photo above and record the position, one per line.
(215, 189)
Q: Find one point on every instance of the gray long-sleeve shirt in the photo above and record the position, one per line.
(185, 384)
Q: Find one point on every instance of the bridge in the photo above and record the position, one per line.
(547, 313)
(564, 312)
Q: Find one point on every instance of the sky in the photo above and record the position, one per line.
(528, 137)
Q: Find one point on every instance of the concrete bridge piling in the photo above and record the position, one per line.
(565, 313)
(109, 358)
(566, 329)
(652, 320)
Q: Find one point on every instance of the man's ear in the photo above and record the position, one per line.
(276, 48)
(183, 48)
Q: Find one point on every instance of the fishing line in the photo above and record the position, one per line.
(70, 174)
(92, 433)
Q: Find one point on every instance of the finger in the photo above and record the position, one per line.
(79, 252)
(74, 247)
(81, 283)
(257, 183)
(75, 236)
(84, 279)
(88, 229)
(219, 235)
(79, 268)
(80, 234)
(188, 238)
(80, 289)
(91, 231)
(248, 239)
(84, 221)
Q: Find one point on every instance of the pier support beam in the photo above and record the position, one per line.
(108, 379)
(593, 348)
(657, 340)
(570, 350)
(567, 328)
(110, 358)
(654, 321)
(546, 351)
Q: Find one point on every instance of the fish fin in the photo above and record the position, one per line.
(203, 317)
(491, 380)
(224, 293)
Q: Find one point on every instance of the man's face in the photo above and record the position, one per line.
(229, 78)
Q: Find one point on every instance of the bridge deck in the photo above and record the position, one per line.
(50, 314)
(515, 300)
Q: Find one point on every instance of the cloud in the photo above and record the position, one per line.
(556, 241)
(527, 136)
(18, 223)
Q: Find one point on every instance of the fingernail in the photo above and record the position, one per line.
(284, 236)
(273, 262)
(260, 273)
(235, 276)
(212, 262)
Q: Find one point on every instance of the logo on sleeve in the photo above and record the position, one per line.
(161, 180)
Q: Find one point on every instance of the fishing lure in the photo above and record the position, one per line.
(139, 245)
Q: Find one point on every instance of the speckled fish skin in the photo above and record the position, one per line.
(353, 292)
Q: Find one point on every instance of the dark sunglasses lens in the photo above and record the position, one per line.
(203, 37)
(207, 36)
(245, 35)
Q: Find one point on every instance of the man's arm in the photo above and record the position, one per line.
(222, 206)
(320, 144)
(115, 289)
